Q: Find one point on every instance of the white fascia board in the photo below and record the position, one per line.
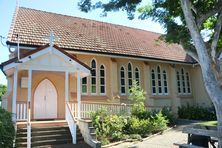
(46, 68)
(71, 61)
(9, 66)
(131, 58)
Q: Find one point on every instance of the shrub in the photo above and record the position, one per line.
(108, 127)
(167, 112)
(138, 126)
(197, 113)
(137, 98)
(7, 131)
(159, 122)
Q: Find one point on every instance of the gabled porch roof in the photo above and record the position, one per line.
(30, 61)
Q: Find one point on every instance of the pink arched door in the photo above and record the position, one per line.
(45, 101)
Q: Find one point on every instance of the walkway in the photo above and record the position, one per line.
(165, 140)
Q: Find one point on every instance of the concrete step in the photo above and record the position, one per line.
(51, 142)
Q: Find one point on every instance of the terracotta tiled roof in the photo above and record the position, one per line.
(88, 35)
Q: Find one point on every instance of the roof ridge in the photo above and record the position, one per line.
(90, 20)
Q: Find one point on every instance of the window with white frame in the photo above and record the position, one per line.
(130, 76)
(122, 81)
(84, 85)
(137, 75)
(183, 82)
(102, 80)
(153, 81)
(159, 81)
(93, 77)
(165, 85)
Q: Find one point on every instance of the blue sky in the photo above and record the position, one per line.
(68, 7)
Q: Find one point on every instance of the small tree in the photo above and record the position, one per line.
(137, 98)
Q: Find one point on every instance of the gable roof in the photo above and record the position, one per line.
(80, 34)
(42, 48)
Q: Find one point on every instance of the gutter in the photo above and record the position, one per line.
(1, 67)
(70, 50)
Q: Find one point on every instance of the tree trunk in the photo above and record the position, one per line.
(211, 84)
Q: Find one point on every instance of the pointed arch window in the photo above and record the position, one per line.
(137, 75)
(159, 81)
(183, 82)
(188, 83)
(102, 80)
(122, 81)
(93, 77)
(153, 78)
(165, 85)
(84, 85)
(130, 76)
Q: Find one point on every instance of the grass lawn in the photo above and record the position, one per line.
(208, 123)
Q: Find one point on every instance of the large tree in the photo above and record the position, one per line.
(195, 24)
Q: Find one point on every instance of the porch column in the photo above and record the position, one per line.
(67, 86)
(29, 108)
(79, 94)
(14, 97)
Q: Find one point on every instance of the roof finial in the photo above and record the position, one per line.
(17, 3)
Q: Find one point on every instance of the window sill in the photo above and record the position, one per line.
(185, 96)
(160, 96)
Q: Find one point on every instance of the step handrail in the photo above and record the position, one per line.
(71, 122)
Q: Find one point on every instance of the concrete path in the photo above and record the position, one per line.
(165, 140)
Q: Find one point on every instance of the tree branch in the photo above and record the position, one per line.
(216, 36)
(200, 46)
(202, 17)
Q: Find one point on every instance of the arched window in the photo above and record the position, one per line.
(183, 82)
(122, 81)
(188, 83)
(159, 80)
(93, 77)
(84, 85)
(165, 86)
(102, 80)
(153, 77)
(130, 76)
(178, 82)
(137, 75)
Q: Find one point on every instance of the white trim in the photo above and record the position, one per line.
(29, 84)
(124, 70)
(179, 70)
(127, 57)
(79, 94)
(85, 94)
(67, 86)
(54, 68)
(104, 77)
(14, 98)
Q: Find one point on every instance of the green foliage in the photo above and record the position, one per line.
(138, 126)
(3, 89)
(197, 113)
(137, 98)
(167, 112)
(7, 131)
(108, 127)
(159, 122)
(167, 12)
